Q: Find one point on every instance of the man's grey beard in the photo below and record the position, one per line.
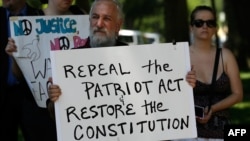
(101, 41)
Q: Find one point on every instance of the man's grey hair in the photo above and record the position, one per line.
(118, 6)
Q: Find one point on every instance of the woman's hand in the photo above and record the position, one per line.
(191, 78)
(207, 115)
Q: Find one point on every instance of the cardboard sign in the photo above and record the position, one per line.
(35, 36)
(124, 93)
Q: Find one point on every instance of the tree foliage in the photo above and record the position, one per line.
(170, 18)
(137, 10)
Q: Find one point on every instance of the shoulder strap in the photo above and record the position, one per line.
(216, 62)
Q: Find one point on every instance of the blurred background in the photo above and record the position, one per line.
(163, 21)
(168, 20)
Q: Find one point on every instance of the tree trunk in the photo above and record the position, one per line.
(176, 22)
(239, 30)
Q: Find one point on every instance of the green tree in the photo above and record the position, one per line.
(167, 17)
(136, 10)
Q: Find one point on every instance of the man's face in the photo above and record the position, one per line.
(104, 24)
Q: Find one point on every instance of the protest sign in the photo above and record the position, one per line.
(35, 36)
(124, 93)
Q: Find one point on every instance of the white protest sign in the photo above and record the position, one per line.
(127, 93)
(35, 36)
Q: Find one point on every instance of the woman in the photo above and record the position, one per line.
(227, 89)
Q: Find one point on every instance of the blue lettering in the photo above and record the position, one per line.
(56, 25)
(18, 29)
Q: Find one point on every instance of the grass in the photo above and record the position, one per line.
(240, 113)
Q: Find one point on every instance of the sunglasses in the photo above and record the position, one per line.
(200, 23)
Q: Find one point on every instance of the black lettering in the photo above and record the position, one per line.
(112, 69)
(91, 69)
(90, 132)
(121, 70)
(100, 131)
(83, 112)
(130, 108)
(113, 132)
(76, 136)
(157, 67)
(71, 111)
(81, 72)
(88, 86)
(93, 111)
(153, 107)
(141, 123)
(178, 84)
(68, 69)
(102, 70)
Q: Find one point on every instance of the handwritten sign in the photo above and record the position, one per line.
(35, 36)
(124, 93)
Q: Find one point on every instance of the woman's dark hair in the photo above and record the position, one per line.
(201, 8)
(44, 1)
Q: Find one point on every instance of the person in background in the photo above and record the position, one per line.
(106, 19)
(18, 107)
(62, 7)
(227, 89)
(41, 127)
